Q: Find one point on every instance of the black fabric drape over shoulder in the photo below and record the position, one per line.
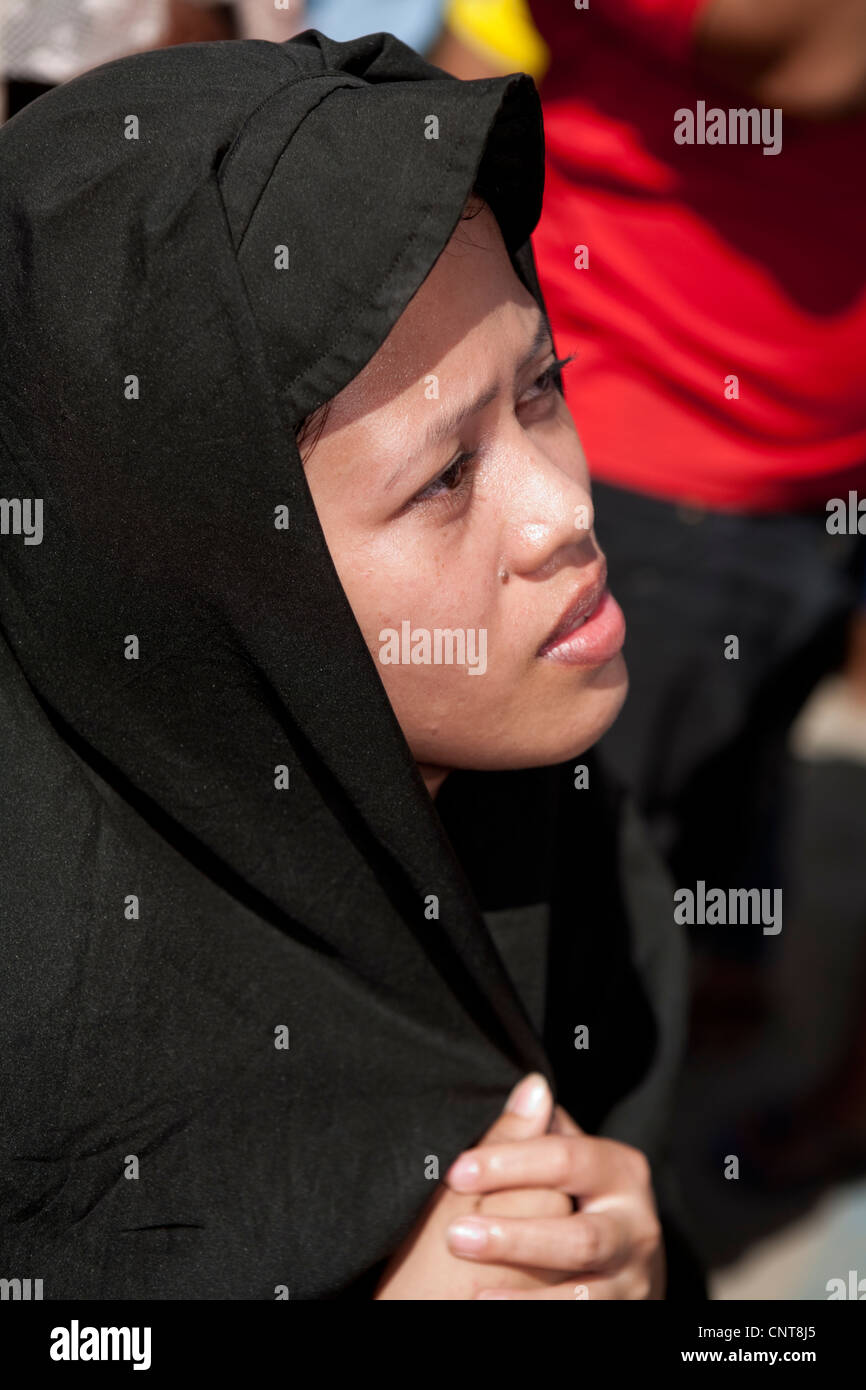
(171, 911)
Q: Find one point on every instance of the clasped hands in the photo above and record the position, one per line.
(538, 1209)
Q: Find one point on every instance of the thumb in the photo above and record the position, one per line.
(526, 1114)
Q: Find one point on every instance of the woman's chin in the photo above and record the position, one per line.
(598, 706)
(574, 724)
(540, 739)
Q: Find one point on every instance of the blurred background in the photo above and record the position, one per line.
(714, 296)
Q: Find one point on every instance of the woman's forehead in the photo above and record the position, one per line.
(471, 283)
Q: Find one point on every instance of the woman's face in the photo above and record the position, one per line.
(454, 497)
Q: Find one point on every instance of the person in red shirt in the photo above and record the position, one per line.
(718, 305)
(701, 252)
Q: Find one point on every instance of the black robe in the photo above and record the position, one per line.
(235, 1042)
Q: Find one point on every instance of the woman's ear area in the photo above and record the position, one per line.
(475, 203)
(309, 431)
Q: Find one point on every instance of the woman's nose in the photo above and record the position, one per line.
(550, 510)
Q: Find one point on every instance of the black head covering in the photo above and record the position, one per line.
(170, 905)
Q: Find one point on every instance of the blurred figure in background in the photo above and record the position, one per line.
(481, 38)
(44, 42)
(415, 22)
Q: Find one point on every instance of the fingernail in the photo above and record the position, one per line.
(468, 1235)
(464, 1172)
(528, 1095)
(493, 1293)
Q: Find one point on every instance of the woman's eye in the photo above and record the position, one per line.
(451, 480)
(551, 376)
(455, 478)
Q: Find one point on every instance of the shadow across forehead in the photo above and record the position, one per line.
(459, 294)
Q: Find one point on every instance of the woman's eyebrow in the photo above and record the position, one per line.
(449, 420)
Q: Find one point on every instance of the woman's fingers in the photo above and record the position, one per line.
(583, 1166)
(611, 1245)
(576, 1242)
(523, 1201)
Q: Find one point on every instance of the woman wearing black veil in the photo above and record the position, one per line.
(305, 635)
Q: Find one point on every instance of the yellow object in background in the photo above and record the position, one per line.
(501, 31)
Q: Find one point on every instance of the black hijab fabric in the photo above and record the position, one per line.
(173, 914)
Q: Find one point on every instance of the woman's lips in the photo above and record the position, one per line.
(594, 639)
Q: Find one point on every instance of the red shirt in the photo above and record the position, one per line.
(705, 262)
